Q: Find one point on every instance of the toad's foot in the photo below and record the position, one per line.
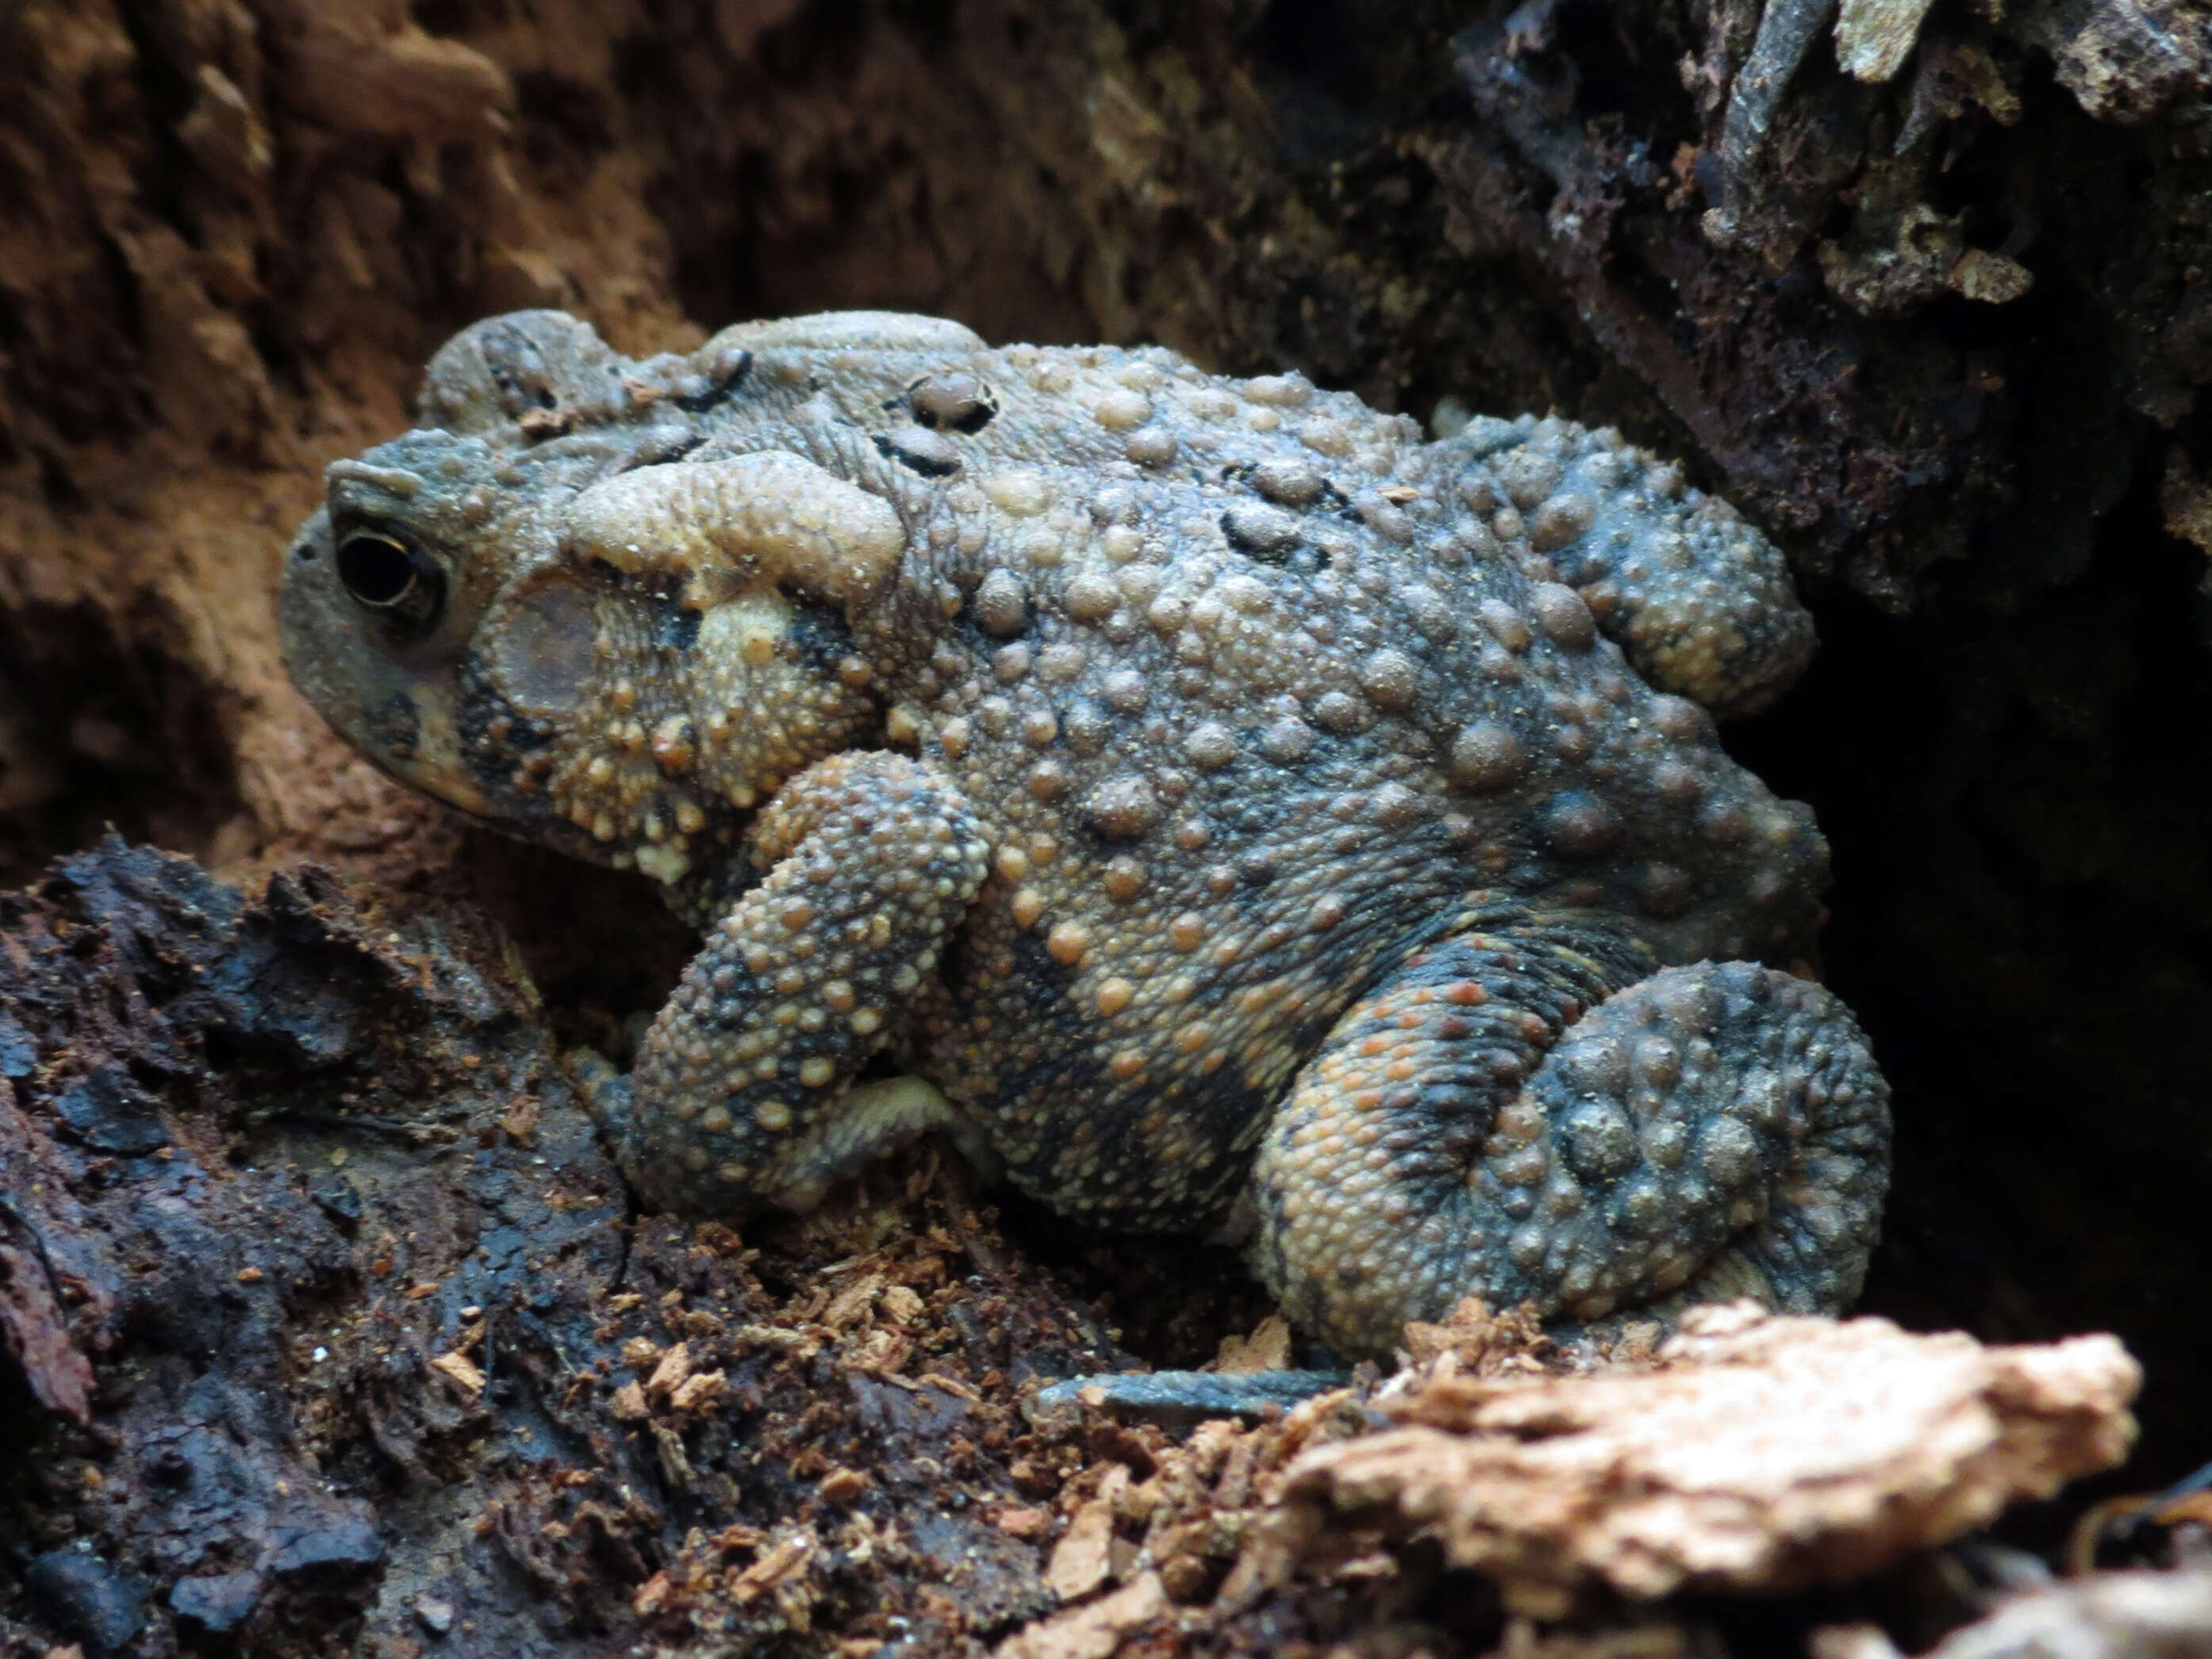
(1701, 602)
(741, 1094)
(1521, 1113)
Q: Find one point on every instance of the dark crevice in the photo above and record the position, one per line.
(100, 727)
(2017, 805)
(166, 94)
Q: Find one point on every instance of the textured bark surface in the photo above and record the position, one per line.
(1928, 291)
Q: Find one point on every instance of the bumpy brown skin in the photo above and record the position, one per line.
(1252, 817)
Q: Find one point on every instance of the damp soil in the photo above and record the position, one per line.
(319, 1295)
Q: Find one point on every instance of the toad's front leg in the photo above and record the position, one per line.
(742, 1095)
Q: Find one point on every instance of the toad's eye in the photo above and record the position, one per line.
(394, 577)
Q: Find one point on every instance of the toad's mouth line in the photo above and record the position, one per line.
(531, 820)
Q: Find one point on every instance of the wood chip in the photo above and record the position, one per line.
(675, 1365)
(852, 1305)
(1093, 1631)
(903, 1304)
(701, 1391)
(1022, 1520)
(780, 1562)
(459, 1366)
(669, 1446)
(1080, 1561)
(1267, 1349)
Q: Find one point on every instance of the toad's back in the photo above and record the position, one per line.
(1256, 690)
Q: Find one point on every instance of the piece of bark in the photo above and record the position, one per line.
(1760, 1454)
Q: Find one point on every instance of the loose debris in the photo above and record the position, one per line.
(336, 1326)
(304, 1218)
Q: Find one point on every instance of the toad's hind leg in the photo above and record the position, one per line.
(1526, 1114)
(741, 1094)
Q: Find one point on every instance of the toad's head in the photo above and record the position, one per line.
(569, 610)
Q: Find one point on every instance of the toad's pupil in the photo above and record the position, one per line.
(375, 569)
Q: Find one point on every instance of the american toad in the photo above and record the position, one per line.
(1252, 818)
